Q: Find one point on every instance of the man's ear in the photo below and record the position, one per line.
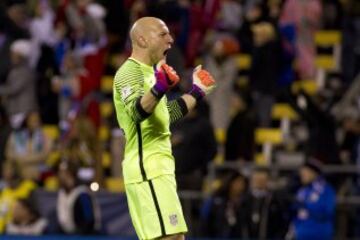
(142, 42)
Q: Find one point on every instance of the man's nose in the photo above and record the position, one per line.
(171, 40)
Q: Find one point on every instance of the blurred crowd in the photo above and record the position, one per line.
(56, 56)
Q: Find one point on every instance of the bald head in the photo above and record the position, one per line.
(150, 39)
(144, 27)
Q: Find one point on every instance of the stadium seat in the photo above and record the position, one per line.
(106, 159)
(53, 158)
(327, 38)
(327, 62)
(51, 131)
(106, 84)
(51, 183)
(114, 184)
(106, 109)
(260, 159)
(104, 133)
(308, 86)
(284, 113)
(283, 110)
(243, 61)
(220, 135)
(268, 137)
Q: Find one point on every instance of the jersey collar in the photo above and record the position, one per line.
(143, 65)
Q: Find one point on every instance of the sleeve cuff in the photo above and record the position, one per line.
(182, 104)
(143, 114)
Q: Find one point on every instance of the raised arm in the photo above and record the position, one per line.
(203, 84)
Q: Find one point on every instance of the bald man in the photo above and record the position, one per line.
(144, 114)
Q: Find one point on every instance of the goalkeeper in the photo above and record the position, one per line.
(144, 114)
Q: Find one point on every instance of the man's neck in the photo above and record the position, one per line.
(141, 57)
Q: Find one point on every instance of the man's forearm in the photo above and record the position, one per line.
(189, 100)
(148, 102)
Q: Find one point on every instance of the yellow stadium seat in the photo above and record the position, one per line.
(326, 62)
(53, 158)
(309, 86)
(220, 135)
(242, 81)
(114, 184)
(106, 84)
(104, 133)
(219, 158)
(51, 184)
(106, 159)
(211, 186)
(283, 110)
(268, 135)
(260, 159)
(106, 109)
(51, 131)
(328, 38)
(243, 61)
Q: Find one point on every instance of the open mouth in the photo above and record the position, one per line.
(166, 52)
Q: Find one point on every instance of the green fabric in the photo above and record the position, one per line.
(150, 137)
(144, 213)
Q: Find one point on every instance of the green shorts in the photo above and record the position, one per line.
(155, 207)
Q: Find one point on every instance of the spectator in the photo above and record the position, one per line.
(42, 29)
(255, 12)
(76, 86)
(44, 37)
(12, 27)
(26, 219)
(347, 106)
(240, 136)
(230, 16)
(77, 211)
(78, 19)
(46, 97)
(350, 58)
(14, 188)
(116, 146)
(315, 111)
(265, 69)
(265, 214)
(225, 207)
(347, 111)
(5, 131)
(222, 65)
(68, 85)
(197, 28)
(194, 146)
(315, 205)
(81, 147)
(29, 147)
(306, 17)
(333, 14)
(19, 89)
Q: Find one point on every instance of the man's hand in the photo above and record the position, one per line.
(166, 78)
(203, 83)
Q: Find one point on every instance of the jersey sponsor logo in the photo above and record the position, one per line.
(125, 92)
(173, 219)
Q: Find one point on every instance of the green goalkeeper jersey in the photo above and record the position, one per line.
(148, 148)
